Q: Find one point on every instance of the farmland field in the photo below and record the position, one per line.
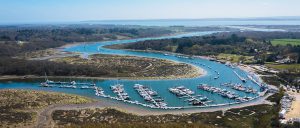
(284, 42)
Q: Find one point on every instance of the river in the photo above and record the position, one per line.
(161, 86)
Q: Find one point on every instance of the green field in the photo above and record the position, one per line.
(290, 67)
(284, 42)
(235, 58)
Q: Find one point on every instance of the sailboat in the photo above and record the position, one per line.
(98, 48)
(47, 82)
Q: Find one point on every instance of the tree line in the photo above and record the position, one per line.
(10, 66)
(19, 39)
(241, 43)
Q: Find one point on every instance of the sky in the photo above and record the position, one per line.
(81, 10)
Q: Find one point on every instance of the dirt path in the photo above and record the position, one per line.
(45, 116)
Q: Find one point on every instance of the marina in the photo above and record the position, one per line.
(182, 92)
(154, 101)
(240, 87)
(150, 96)
(224, 93)
(214, 73)
(119, 90)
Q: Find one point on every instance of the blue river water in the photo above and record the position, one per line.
(161, 86)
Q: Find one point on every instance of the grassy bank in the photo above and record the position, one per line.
(292, 68)
(260, 116)
(235, 58)
(131, 66)
(284, 42)
(19, 108)
(289, 73)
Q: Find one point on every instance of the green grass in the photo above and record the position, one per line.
(18, 107)
(289, 67)
(235, 58)
(285, 42)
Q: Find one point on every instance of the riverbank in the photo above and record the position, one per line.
(14, 77)
(125, 66)
(141, 111)
(137, 69)
(121, 67)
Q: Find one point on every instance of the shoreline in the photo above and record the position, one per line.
(142, 111)
(45, 118)
(79, 43)
(13, 77)
(197, 71)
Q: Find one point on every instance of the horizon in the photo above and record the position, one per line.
(33, 11)
(275, 18)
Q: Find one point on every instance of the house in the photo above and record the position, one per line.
(282, 114)
(287, 60)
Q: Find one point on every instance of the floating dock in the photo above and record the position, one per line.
(241, 78)
(224, 93)
(240, 87)
(150, 96)
(119, 90)
(183, 92)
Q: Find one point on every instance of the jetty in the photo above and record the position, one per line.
(119, 90)
(63, 84)
(224, 93)
(72, 84)
(240, 87)
(254, 81)
(183, 92)
(99, 91)
(230, 65)
(150, 95)
(240, 77)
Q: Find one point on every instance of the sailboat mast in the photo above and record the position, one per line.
(46, 78)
